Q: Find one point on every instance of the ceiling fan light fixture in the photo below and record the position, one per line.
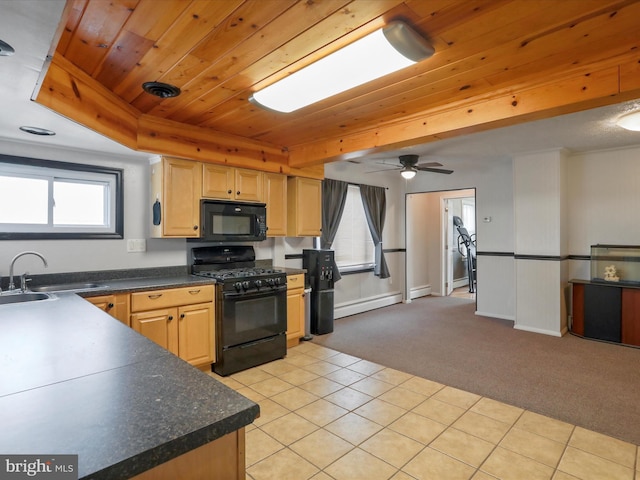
(630, 121)
(6, 50)
(384, 51)
(408, 172)
(43, 132)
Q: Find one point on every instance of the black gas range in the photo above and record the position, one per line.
(242, 279)
(251, 307)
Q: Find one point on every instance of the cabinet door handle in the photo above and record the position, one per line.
(170, 317)
(110, 305)
(182, 315)
(154, 296)
(194, 292)
(229, 191)
(195, 227)
(238, 192)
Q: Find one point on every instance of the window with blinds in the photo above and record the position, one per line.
(353, 245)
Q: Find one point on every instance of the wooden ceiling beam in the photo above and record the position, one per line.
(72, 93)
(166, 137)
(69, 91)
(556, 97)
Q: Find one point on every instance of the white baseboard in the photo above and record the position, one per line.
(460, 282)
(495, 315)
(421, 291)
(543, 331)
(365, 304)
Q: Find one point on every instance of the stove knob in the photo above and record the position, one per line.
(245, 285)
(238, 286)
(258, 283)
(277, 280)
(270, 281)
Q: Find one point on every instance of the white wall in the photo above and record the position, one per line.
(89, 255)
(604, 192)
(492, 179)
(599, 205)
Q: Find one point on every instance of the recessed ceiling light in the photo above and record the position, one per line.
(6, 49)
(630, 121)
(162, 90)
(38, 131)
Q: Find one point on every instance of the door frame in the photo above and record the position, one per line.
(437, 276)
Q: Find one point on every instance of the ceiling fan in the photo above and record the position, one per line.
(409, 166)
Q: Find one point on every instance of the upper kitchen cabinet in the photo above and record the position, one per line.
(229, 183)
(175, 198)
(304, 207)
(275, 196)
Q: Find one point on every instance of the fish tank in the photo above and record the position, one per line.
(615, 264)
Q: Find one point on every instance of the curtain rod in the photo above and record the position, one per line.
(364, 184)
(359, 184)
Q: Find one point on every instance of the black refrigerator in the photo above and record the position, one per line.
(319, 265)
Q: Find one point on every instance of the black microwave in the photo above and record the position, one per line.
(233, 221)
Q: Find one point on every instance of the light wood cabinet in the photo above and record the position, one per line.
(180, 320)
(116, 305)
(230, 183)
(295, 309)
(304, 207)
(275, 196)
(176, 184)
(222, 459)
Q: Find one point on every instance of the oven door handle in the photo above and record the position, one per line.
(259, 293)
(253, 344)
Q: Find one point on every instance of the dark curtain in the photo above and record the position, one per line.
(374, 201)
(334, 196)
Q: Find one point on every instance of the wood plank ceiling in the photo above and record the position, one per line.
(497, 62)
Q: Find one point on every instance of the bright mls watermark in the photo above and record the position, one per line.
(50, 467)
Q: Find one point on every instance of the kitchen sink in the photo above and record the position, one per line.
(24, 297)
(67, 287)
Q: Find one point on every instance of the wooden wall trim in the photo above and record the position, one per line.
(70, 92)
(166, 137)
(609, 85)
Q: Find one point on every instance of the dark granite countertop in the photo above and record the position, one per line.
(122, 281)
(129, 281)
(73, 380)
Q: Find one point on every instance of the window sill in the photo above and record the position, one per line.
(352, 269)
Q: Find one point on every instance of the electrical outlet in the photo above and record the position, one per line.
(136, 245)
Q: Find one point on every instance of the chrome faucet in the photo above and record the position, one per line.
(12, 285)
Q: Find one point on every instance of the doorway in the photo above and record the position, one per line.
(458, 258)
(431, 249)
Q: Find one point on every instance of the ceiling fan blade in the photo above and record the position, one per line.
(385, 170)
(434, 170)
(429, 164)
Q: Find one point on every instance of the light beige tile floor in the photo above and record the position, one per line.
(326, 415)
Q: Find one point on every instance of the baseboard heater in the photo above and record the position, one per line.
(366, 304)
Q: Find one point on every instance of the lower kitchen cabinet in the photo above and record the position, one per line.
(222, 459)
(116, 305)
(180, 320)
(295, 309)
(195, 334)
